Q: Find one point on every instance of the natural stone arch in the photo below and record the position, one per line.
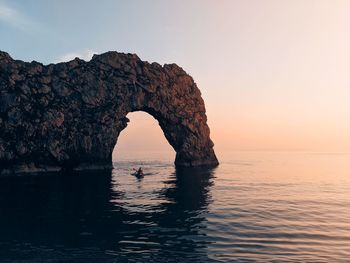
(69, 115)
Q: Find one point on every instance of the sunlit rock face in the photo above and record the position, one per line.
(69, 115)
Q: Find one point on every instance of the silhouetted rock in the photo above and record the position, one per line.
(69, 115)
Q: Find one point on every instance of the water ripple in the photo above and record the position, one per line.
(253, 208)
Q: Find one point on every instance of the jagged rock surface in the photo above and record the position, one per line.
(69, 115)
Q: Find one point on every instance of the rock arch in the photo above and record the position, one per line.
(69, 115)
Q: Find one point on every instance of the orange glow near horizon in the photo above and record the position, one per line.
(143, 134)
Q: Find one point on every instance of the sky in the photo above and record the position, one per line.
(274, 74)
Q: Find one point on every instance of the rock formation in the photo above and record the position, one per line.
(69, 115)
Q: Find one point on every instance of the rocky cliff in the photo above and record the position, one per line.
(69, 115)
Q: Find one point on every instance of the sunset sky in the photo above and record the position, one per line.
(275, 75)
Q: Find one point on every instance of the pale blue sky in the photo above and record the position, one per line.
(274, 74)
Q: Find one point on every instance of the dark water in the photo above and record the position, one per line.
(255, 207)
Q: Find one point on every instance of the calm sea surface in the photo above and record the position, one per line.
(255, 207)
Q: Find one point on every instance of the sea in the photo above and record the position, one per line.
(253, 207)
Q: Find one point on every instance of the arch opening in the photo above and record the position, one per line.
(142, 139)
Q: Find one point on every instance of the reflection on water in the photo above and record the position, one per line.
(105, 216)
(255, 207)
